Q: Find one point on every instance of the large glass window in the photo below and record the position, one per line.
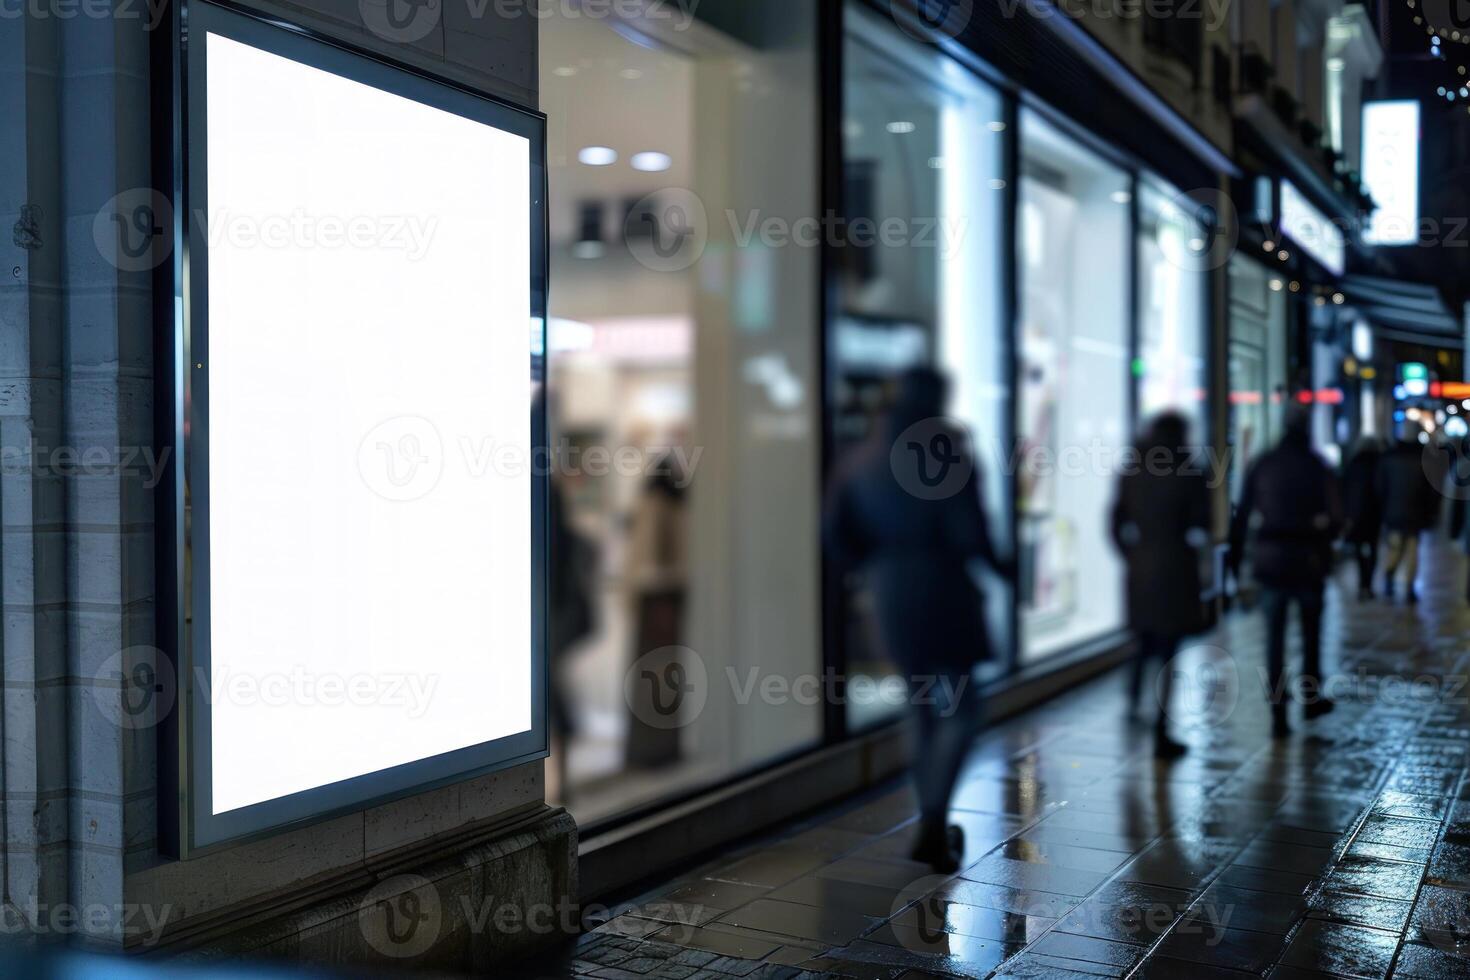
(683, 319)
(1171, 308)
(1072, 234)
(1257, 363)
(923, 143)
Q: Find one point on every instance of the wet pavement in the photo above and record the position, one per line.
(1343, 850)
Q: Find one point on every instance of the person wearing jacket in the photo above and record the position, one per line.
(1160, 519)
(1290, 510)
(1363, 510)
(1457, 488)
(1410, 507)
(906, 508)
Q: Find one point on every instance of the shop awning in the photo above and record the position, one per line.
(1411, 312)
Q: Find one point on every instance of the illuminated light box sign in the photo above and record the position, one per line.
(1391, 171)
(364, 557)
(1312, 230)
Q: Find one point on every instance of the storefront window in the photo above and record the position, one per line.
(1170, 367)
(924, 144)
(1257, 363)
(1072, 233)
(682, 340)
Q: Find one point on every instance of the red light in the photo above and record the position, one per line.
(1305, 397)
(1246, 398)
(1330, 396)
(1435, 388)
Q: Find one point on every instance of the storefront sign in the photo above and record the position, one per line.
(1312, 230)
(1391, 171)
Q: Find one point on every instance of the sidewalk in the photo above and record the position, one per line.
(1340, 851)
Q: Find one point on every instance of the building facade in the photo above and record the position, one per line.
(760, 214)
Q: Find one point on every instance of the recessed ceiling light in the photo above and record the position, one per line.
(901, 126)
(996, 126)
(1121, 197)
(1276, 285)
(597, 156)
(651, 161)
(564, 71)
(630, 73)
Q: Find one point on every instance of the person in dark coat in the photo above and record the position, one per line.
(906, 508)
(1457, 488)
(1160, 519)
(1410, 507)
(1291, 509)
(1363, 510)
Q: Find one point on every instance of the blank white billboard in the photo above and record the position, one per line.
(1391, 171)
(369, 428)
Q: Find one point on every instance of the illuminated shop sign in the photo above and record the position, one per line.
(1391, 171)
(1312, 230)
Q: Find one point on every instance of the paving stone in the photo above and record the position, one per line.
(1343, 950)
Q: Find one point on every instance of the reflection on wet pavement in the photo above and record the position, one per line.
(1342, 851)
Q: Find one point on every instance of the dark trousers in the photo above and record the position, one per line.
(1367, 555)
(1157, 650)
(1277, 603)
(947, 715)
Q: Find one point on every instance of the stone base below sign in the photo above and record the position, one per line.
(464, 905)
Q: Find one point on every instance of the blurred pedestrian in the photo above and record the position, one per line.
(1457, 487)
(1410, 507)
(655, 567)
(1160, 520)
(1363, 510)
(1290, 509)
(906, 508)
(572, 609)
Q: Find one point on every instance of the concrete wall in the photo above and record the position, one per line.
(78, 771)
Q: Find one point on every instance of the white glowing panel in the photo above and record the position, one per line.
(369, 405)
(1317, 235)
(1391, 171)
